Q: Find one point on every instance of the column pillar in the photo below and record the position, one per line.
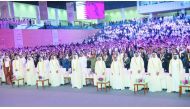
(11, 9)
(37, 15)
(4, 8)
(57, 16)
(122, 11)
(43, 10)
(70, 12)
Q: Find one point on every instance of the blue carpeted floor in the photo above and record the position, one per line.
(29, 96)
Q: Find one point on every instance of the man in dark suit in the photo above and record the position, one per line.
(166, 60)
(185, 57)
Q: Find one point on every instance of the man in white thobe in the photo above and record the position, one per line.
(176, 73)
(41, 69)
(23, 62)
(2, 75)
(123, 71)
(116, 78)
(154, 70)
(100, 68)
(83, 65)
(30, 71)
(76, 76)
(137, 69)
(55, 77)
(121, 55)
(17, 68)
(47, 67)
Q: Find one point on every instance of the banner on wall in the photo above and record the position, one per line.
(4, 9)
(43, 10)
(90, 10)
(55, 37)
(70, 12)
(31, 38)
(18, 38)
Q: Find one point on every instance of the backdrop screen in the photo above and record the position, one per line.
(90, 10)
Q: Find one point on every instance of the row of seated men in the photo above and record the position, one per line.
(119, 76)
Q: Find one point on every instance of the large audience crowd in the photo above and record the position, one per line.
(163, 37)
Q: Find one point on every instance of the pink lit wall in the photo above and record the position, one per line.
(68, 36)
(33, 38)
(6, 38)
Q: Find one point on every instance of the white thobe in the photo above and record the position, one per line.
(55, 78)
(30, 72)
(123, 73)
(121, 57)
(47, 69)
(41, 69)
(137, 64)
(83, 65)
(2, 75)
(100, 68)
(176, 69)
(76, 77)
(116, 78)
(17, 69)
(154, 67)
(23, 63)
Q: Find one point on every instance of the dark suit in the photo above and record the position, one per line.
(145, 58)
(65, 63)
(166, 61)
(185, 57)
(108, 61)
(127, 63)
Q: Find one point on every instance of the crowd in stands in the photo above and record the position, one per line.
(67, 25)
(11, 23)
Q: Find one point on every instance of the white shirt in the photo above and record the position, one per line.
(83, 61)
(7, 63)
